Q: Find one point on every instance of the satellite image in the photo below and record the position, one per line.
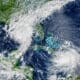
(39, 39)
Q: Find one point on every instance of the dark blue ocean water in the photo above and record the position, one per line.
(39, 61)
(7, 44)
(65, 23)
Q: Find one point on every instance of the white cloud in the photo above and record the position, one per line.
(66, 60)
